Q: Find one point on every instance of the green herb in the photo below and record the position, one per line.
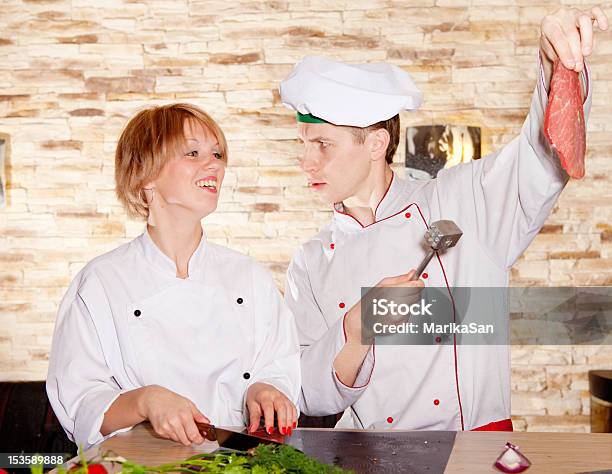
(291, 460)
(265, 459)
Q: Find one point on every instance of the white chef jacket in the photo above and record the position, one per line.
(127, 321)
(500, 202)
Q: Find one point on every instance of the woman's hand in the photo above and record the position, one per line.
(264, 399)
(171, 415)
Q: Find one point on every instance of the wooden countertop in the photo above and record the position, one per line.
(548, 452)
(473, 452)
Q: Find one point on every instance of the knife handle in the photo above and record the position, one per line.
(207, 430)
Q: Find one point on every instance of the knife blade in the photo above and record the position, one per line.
(232, 439)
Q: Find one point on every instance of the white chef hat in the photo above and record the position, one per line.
(359, 95)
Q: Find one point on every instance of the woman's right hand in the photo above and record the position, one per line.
(171, 415)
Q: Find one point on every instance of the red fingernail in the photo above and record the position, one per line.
(270, 430)
(294, 425)
(283, 430)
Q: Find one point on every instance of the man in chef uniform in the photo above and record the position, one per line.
(349, 124)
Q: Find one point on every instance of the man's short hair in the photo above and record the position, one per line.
(149, 140)
(392, 126)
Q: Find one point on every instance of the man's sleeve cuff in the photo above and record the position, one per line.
(365, 371)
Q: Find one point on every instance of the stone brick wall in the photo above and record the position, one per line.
(73, 71)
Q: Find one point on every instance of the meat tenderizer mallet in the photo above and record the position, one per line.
(441, 235)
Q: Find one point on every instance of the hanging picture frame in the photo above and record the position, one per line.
(430, 148)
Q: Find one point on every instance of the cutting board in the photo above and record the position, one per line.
(373, 452)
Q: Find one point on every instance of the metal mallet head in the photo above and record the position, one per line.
(441, 235)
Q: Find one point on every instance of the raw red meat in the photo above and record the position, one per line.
(564, 124)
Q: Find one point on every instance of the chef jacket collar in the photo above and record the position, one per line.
(387, 206)
(160, 260)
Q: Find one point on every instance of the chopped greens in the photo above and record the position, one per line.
(265, 459)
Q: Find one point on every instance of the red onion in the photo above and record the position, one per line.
(512, 460)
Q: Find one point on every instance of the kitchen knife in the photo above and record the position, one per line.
(232, 439)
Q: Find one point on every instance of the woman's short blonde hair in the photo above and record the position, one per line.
(149, 139)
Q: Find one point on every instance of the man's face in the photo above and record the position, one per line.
(336, 167)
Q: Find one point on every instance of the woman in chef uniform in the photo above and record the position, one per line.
(348, 121)
(170, 327)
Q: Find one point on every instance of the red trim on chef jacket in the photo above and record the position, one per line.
(375, 210)
(373, 354)
(384, 195)
(384, 219)
(503, 425)
(450, 293)
(456, 362)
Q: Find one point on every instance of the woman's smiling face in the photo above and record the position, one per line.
(190, 181)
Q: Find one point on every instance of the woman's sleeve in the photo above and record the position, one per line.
(277, 352)
(80, 385)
